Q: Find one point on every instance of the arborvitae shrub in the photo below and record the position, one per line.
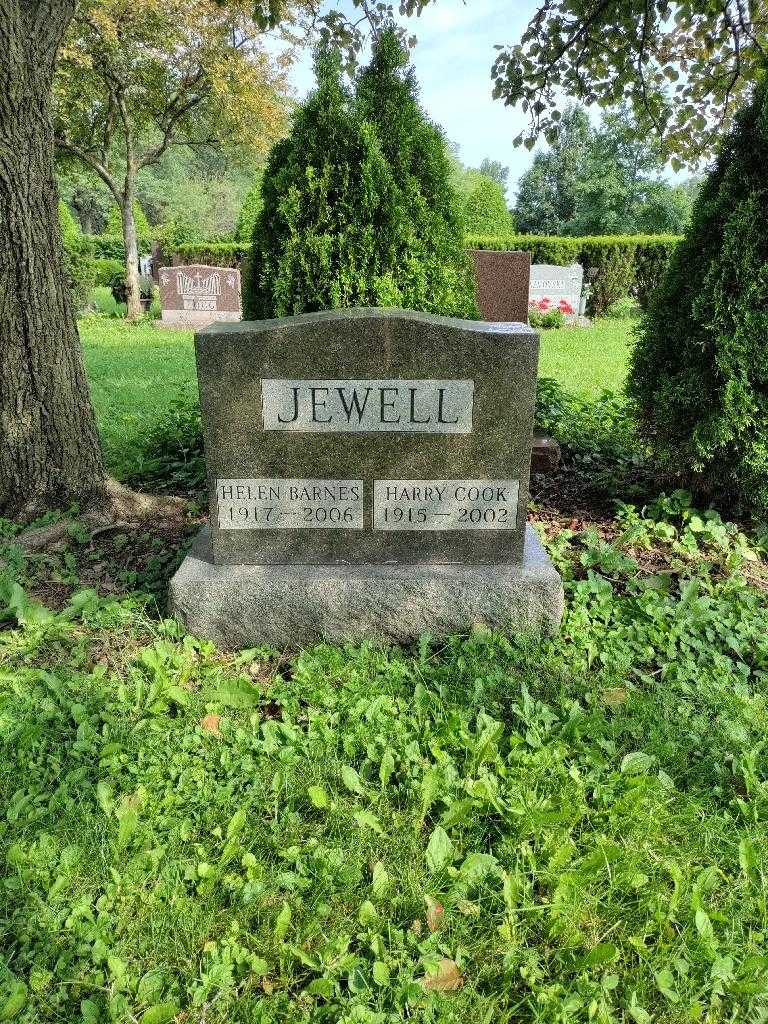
(485, 209)
(699, 372)
(249, 211)
(357, 204)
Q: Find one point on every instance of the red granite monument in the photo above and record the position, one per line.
(197, 296)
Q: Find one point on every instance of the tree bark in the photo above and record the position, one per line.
(132, 286)
(49, 448)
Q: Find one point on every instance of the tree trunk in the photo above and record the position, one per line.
(132, 286)
(49, 448)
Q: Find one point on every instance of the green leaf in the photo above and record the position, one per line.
(366, 819)
(160, 1013)
(704, 926)
(237, 822)
(380, 973)
(476, 865)
(602, 953)
(237, 693)
(283, 922)
(387, 767)
(748, 859)
(666, 985)
(636, 763)
(367, 914)
(357, 981)
(15, 1002)
(351, 780)
(380, 879)
(439, 852)
(319, 797)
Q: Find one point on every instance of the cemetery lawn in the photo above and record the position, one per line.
(480, 829)
(508, 831)
(138, 372)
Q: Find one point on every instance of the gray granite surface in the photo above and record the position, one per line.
(289, 606)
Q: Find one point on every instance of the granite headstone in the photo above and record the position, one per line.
(368, 474)
(196, 295)
(502, 284)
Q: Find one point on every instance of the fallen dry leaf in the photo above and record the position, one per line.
(435, 914)
(211, 724)
(447, 979)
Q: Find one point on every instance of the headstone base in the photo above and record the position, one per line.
(289, 606)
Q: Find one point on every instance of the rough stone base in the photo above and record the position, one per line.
(289, 606)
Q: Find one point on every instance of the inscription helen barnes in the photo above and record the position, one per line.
(289, 504)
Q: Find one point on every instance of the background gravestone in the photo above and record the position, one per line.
(559, 285)
(502, 284)
(368, 475)
(196, 295)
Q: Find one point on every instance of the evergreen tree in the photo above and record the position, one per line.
(430, 262)
(327, 201)
(250, 210)
(485, 210)
(699, 372)
(357, 205)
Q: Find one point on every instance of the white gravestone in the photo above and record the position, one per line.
(554, 287)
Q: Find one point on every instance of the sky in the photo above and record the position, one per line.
(453, 59)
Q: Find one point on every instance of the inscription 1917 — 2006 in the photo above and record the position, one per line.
(289, 504)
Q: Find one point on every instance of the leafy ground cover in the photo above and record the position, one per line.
(484, 829)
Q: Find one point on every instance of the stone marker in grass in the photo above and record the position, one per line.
(368, 476)
(196, 295)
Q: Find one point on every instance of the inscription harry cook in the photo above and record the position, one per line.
(343, 406)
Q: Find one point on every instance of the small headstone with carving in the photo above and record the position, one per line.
(197, 296)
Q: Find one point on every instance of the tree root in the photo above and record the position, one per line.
(120, 505)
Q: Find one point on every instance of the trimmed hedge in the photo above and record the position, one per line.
(105, 270)
(215, 254)
(625, 264)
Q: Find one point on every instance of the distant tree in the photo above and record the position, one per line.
(138, 76)
(548, 192)
(496, 171)
(683, 68)
(667, 209)
(86, 194)
(114, 223)
(601, 180)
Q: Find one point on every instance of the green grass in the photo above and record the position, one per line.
(137, 372)
(573, 828)
(587, 361)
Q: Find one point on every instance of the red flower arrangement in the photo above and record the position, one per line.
(545, 304)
